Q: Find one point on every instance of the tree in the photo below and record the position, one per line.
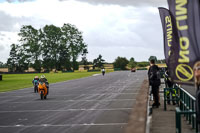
(2, 65)
(12, 60)
(161, 61)
(23, 60)
(64, 58)
(121, 62)
(50, 47)
(132, 63)
(85, 62)
(98, 62)
(30, 40)
(19, 60)
(51, 40)
(72, 37)
(142, 64)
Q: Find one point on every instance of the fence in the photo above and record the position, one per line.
(186, 107)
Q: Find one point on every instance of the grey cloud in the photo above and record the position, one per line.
(127, 2)
(1, 34)
(8, 22)
(147, 33)
(115, 2)
(10, 1)
(2, 47)
(145, 36)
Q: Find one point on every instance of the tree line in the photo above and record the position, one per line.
(120, 62)
(123, 62)
(50, 47)
(58, 48)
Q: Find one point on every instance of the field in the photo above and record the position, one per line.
(19, 81)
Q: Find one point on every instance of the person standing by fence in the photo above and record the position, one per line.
(171, 92)
(154, 82)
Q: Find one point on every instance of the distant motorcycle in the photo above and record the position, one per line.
(103, 73)
(42, 89)
(133, 70)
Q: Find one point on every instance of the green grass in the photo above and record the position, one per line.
(19, 81)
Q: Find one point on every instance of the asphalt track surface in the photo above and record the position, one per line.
(190, 88)
(96, 104)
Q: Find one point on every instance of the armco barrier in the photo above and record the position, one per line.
(117, 69)
(68, 71)
(93, 70)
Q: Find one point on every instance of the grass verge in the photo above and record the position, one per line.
(19, 81)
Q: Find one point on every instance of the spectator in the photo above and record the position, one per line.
(154, 82)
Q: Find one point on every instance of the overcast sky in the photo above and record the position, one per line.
(126, 28)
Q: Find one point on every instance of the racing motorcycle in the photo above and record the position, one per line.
(42, 90)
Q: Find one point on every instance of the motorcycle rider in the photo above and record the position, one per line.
(44, 80)
(35, 82)
(103, 71)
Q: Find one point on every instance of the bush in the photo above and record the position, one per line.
(121, 62)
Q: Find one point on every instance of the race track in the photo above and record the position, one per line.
(97, 104)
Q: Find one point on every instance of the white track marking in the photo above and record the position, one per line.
(96, 74)
(67, 110)
(66, 125)
(84, 94)
(60, 101)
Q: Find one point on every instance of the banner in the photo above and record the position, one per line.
(168, 32)
(187, 54)
(171, 44)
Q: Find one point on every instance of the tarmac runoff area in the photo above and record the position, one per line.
(96, 104)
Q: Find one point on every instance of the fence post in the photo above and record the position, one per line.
(178, 122)
(165, 107)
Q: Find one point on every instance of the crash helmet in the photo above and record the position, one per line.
(42, 76)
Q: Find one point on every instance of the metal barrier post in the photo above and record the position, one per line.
(178, 122)
(184, 102)
(186, 106)
(165, 107)
(197, 127)
(181, 98)
(193, 120)
(177, 98)
(189, 100)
